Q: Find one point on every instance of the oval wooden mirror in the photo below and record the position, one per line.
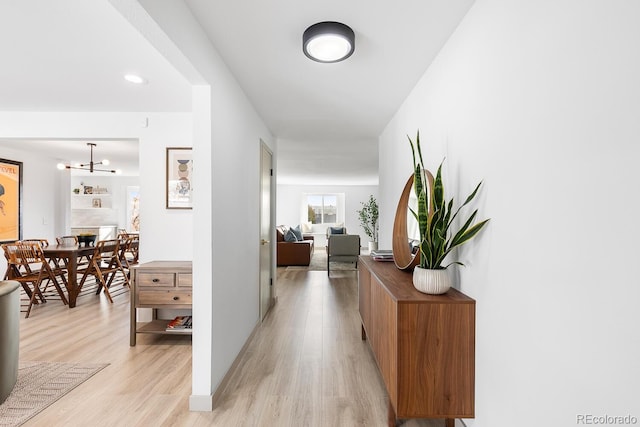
(405, 227)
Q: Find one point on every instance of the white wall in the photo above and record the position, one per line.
(46, 194)
(540, 99)
(227, 142)
(290, 199)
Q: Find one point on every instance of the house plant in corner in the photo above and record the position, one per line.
(368, 216)
(435, 218)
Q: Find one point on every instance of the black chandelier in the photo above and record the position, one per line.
(89, 166)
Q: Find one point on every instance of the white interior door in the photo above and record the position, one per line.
(266, 229)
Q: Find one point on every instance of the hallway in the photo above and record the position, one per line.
(306, 365)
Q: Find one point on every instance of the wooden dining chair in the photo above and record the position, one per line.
(10, 267)
(58, 269)
(122, 251)
(43, 242)
(16, 270)
(30, 268)
(70, 241)
(67, 240)
(133, 247)
(104, 265)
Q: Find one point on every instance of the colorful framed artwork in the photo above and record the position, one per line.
(10, 200)
(179, 176)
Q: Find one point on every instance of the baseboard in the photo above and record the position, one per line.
(200, 403)
(227, 377)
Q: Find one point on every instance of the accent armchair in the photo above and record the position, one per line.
(342, 248)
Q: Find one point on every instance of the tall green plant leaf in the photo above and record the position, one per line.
(468, 234)
(438, 189)
(469, 199)
(435, 235)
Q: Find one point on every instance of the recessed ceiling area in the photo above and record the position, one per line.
(327, 116)
(71, 55)
(305, 100)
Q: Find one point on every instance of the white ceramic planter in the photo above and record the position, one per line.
(433, 282)
(373, 246)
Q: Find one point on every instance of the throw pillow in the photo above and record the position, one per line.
(307, 227)
(337, 230)
(290, 236)
(298, 233)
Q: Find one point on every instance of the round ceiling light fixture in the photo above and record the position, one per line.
(328, 42)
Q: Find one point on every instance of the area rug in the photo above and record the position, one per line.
(39, 385)
(319, 263)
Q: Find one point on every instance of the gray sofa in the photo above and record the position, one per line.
(9, 336)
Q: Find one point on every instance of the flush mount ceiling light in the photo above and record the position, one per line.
(89, 166)
(328, 42)
(134, 78)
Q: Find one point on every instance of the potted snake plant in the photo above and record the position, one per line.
(435, 218)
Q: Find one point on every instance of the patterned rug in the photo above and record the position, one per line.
(39, 385)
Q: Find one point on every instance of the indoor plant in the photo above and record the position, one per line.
(368, 216)
(435, 218)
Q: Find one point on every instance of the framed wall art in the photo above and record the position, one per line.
(179, 176)
(10, 200)
(133, 209)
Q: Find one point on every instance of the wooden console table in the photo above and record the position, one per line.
(424, 345)
(159, 284)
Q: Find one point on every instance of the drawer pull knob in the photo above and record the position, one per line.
(176, 298)
(155, 280)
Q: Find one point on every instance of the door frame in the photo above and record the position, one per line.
(272, 204)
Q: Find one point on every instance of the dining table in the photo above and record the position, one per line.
(70, 254)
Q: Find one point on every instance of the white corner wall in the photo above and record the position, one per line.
(539, 100)
(227, 139)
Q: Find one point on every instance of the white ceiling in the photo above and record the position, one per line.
(122, 154)
(70, 55)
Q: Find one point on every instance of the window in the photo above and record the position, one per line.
(322, 208)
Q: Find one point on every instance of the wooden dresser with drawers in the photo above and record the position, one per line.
(159, 285)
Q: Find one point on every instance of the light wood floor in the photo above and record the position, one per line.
(305, 366)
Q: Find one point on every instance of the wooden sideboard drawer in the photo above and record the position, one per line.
(155, 279)
(164, 297)
(159, 285)
(185, 280)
